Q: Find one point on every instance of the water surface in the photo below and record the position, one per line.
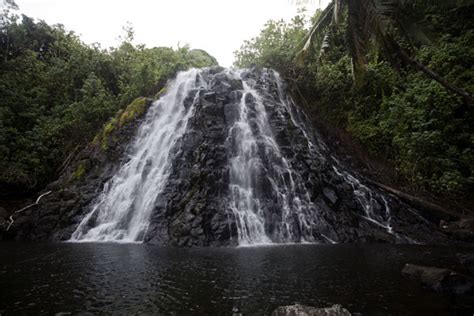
(135, 278)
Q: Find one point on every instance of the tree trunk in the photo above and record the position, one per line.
(433, 75)
(7, 49)
(417, 202)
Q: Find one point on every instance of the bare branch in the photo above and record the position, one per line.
(11, 220)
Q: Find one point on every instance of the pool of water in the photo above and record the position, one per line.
(54, 278)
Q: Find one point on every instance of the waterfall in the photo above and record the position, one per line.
(254, 142)
(122, 210)
(366, 199)
(245, 166)
(299, 214)
(225, 157)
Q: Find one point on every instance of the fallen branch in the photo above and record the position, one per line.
(68, 159)
(414, 200)
(295, 87)
(11, 220)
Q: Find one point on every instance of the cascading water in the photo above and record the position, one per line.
(365, 197)
(123, 208)
(295, 203)
(244, 167)
(254, 142)
(226, 158)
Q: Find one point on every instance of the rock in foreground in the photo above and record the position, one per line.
(440, 280)
(301, 310)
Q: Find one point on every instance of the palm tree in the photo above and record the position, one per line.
(370, 20)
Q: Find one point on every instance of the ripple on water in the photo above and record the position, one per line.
(106, 278)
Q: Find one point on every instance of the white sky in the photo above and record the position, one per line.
(217, 26)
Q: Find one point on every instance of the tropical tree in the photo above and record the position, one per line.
(380, 22)
(57, 92)
(6, 17)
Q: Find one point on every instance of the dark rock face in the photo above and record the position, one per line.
(441, 280)
(192, 210)
(467, 262)
(466, 259)
(326, 203)
(301, 310)
(3, 219)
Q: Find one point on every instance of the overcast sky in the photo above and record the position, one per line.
(217, 26)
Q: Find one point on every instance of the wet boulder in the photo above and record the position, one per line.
(440, 280)
(462, 229)
(302, 310)
(467, 262)
(330, 195)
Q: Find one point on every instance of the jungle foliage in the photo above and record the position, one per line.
(396, 111)
(57, 92)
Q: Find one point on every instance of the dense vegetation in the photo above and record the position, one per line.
(397, 112)
(56, 92)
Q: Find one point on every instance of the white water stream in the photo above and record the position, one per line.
(122, 210)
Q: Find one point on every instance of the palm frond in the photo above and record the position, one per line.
(395, 12)
(438, 3)
(387, 7)
(413, 31)
(337, 11)
(357, 36)
(325, 44)
(382, 14)
(323, 22)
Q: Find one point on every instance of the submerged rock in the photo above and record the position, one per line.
(462, 229)
(440, 280)
(467, 261)
(301, 310)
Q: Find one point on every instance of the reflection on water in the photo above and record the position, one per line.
(134, 278)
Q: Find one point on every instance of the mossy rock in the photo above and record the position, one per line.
(108, 129)
(97, 139)
(123, 117)
(160, 93)
(133, 111)
(79, 172)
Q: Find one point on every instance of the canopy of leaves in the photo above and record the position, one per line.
(398, 114)
(56, 92)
